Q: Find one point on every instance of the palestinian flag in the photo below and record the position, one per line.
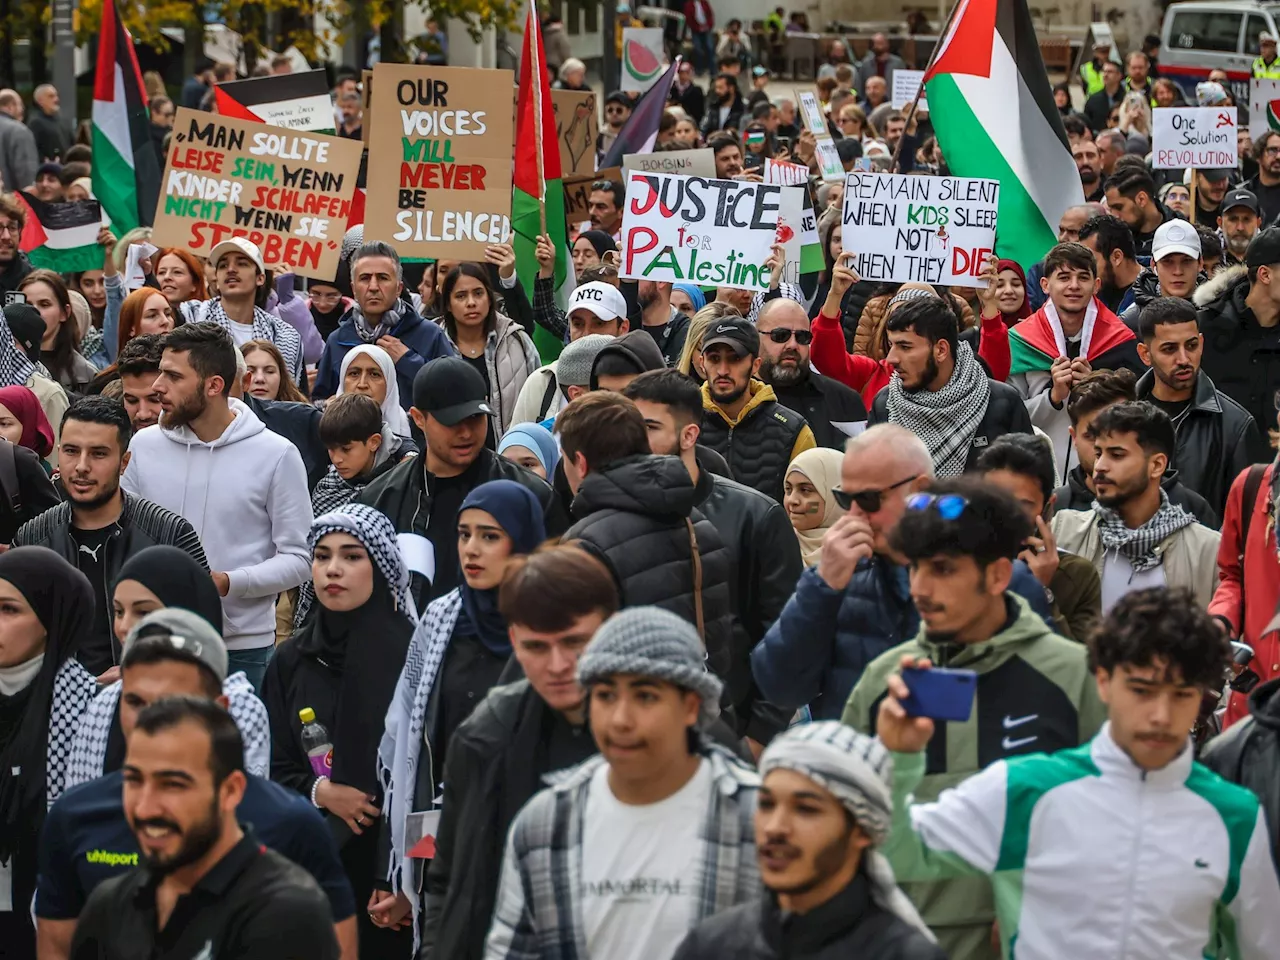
(61, 236)
(641, 129)
(126, 170)
(1108, 345)
(536, 180)
(993, 112)
(299, 101)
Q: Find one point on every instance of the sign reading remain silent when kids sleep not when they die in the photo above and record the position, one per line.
(286, 191)
(440, 160)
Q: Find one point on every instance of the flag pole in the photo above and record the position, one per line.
(915, 102)
(536, 79)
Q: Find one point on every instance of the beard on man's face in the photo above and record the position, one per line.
(185, 412)
(784, 375)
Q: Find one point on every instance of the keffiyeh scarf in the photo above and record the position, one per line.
(1138, 546)
(373, 529)
(16, 367)
(945, 419)
(389, 321)
(265, 327)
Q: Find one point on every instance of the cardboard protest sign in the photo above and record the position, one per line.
(829, 161)
(811, 114)
(905, 85)
(709, 232)
(577, 125)
(643, 58)
(785, 173)
(1264, 107)
(577, 194)
(298, 101)
(1193, 137)
(930, 229)
(685, 163)
(287, 191)
(440, 160)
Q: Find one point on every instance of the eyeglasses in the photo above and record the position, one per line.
(783, 334)
(868, 501)
(949, 505)
(9, 228)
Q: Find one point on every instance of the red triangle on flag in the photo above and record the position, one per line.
(33, 232)
(424, 849)
(229, 107)
(966, 49)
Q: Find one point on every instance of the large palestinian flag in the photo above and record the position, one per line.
(1106, 342)
(993, 111)
(126, 171)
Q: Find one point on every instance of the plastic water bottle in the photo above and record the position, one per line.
(315, 740)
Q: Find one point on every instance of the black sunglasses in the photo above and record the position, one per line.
(783, 334)
(868, 501)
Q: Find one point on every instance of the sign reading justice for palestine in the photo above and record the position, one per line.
(286, 191)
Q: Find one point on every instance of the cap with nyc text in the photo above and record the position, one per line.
(1175, 236)
(450, 390)
(1264, 248)
(238, 245)
(601, 299)
(735, 332)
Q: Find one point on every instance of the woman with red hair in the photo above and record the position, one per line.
(146, 310)
(181, 279)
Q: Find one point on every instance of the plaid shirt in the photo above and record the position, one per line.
(546, 313)
(539, 910)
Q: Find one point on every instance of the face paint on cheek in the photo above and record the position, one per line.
(816, 508)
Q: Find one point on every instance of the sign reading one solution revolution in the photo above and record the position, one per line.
(288, 192)
(710, 232)
(928, 229)
(440, 160)
(1193, 137)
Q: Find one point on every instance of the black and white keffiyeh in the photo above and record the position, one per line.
(373, 529)
(786, 291)
(1138, 546)
(945, 419)
(73, 693)
(16, 367)
(265, 327)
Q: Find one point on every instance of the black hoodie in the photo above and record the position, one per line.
(638, 351)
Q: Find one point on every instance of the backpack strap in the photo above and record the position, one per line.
(1252, 484)
(547, 397)
(9, 485)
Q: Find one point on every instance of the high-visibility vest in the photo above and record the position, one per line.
(1262, 71)
(1092, 78)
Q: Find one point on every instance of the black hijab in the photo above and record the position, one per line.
(176, 580)
(62, 600)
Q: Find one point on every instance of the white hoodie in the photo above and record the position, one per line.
(246, 495)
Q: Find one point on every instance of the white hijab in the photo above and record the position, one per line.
(392, 413)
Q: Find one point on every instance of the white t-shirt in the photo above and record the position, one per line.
(1119, 578)
(241, 333)
(640, 869)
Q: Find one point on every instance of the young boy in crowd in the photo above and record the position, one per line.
(352, 431)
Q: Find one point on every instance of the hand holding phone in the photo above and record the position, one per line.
(897, 729)
(939, 693)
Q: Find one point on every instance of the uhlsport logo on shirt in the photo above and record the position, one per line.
(110, 859)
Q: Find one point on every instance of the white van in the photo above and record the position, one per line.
(1198, 37)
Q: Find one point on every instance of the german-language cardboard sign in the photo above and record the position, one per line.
(288, 191)
(577, 125)
(298, 101)
(929, 229)
(811, 113)
(710, 232)
(684, 163)
(440, 160)
(577, 194)
(905, 85)
(1193, 137)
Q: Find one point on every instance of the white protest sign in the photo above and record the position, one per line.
(811, 113)
(829, 161)
(905, 85)
(784, 172)
(697, 230)
(643, 58)
(1264, 107)
(1193, 137)
(930, 229)
(791, 230)
(685, 163)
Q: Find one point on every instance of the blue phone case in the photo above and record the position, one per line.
(939, 693)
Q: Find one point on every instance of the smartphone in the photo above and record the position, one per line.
(14, 296)
(864, 165)
(940, 693)
(784, 143)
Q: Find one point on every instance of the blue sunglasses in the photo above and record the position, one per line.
(949, 505)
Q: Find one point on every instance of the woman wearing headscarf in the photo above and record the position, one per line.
(150, 580)
(688, 298)
(342, 665)
(48, 606)
(22, 420)
(369, 369)
(1011, 292)
(19, 369)
(460, 648)
(532, 446)
(810, 506)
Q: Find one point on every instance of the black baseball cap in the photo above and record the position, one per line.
(451, 390)
(738, 333)
(1264, 248)
(27, 327)
(1215, 174)
(1241, 198)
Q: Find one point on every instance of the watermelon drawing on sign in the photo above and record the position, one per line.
(639, 61)
(1273, 114)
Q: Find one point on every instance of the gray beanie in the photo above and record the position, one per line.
(573, 367)
(182, 630)
(652, 642)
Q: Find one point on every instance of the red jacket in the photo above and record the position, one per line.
(691, 19)
(1247, 597)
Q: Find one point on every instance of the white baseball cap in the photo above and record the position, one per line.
(1175, 236)
(601, 299)
(238, 245)
(1265, 37)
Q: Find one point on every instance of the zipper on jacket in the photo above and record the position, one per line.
(1133, 872)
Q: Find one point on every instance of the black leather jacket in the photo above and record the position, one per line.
(1240, 355)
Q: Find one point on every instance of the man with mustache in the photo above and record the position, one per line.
(1089, 163)
(1217, 438)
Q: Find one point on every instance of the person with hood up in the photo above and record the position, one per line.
(339, 669)
(327, 305)
(810, 504)
(242, 487)
(43, 693)
(460, 650)
(620, 362)
(22, 421)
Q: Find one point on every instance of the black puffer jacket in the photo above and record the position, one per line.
(635, 514)
(848, 925)
(1241, 356)
(760, 444)
(1145, 289)
(1076, 495)
(1248, 753)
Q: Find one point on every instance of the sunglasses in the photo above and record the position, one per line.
(601, 184)
(783, 334)
(949, 506)
(868, 501)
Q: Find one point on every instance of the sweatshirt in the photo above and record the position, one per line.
(246, 495)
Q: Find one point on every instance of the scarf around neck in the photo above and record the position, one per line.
(1139, 546)
(390, 320)
(945, 419)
